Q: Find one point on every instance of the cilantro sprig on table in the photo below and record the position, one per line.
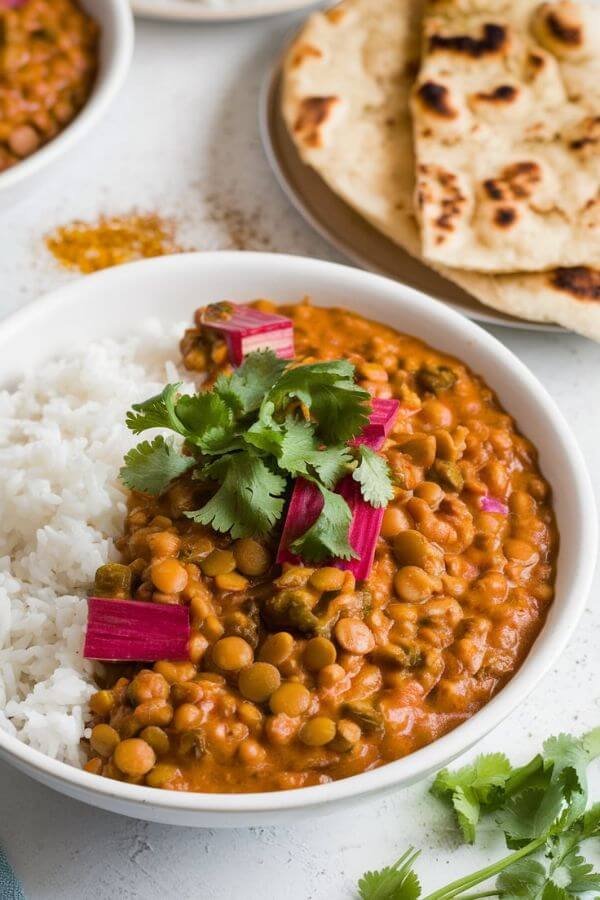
(251, 434)
(541, 807)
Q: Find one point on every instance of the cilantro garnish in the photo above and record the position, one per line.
(541, 807)
(251, 434)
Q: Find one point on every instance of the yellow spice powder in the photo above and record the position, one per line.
(112, 241)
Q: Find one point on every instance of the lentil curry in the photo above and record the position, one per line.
(48, 62)
(298, 675)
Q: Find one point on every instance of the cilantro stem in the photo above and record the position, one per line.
(462, 884)
(478, 895)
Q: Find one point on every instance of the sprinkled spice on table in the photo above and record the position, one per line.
(112, 241)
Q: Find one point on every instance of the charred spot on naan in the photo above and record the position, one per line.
(439, 189)
(506, 216)
(494, 40)
(436, 100)
(584, 139)
(335, 15)
(504, 93)
(516, 182)
(304, 52)
(559, 28)
(581, 282)
(315, 113)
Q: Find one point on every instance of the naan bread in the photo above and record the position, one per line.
(346, 90)
(506, 112)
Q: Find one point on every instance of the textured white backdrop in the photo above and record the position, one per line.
(183, 139)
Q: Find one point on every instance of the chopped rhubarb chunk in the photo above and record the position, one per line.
(493, 505)
(306, 501)
(247, 329)
(121, 630)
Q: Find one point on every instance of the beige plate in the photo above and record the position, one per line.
(348, 231)
(190, 11)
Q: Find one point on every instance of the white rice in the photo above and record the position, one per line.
(62, 441)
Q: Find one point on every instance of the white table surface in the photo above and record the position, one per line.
(183, 139)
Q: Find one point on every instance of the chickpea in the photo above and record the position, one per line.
(94, 765)
(157, 738)
(437, 413)
(169, 576)
(197, 647)
(23, 140)
(318, 653)
(280, 729)
(102, 702)
(186, 692)
(231, 581)
(394, 521)
(291, 698)
(250, 715)
(147, 685)
(232, 653)
(212, 628)
(430, 492)
(414, 585)
(347, 734)
(154, 712)
(521, 552)
(331, 675)
(163, 544)
(317, 732)
(251, 557)
(219, 562)
(134, 757)
(259, 681)
(354, 636)
(327, 579)
(251, 753)
(411, 548)
(175, 671)
(187, 717)
(420, 450)
(162, 775)
(104, 739)
(277, 648)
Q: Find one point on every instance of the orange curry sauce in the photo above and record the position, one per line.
(365, 673)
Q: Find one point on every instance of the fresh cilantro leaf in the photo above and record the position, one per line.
(373, 475)
(523, 819)
(472, 788)
(396, 882)
(151, 466)
(524, 879)
(331, 463)
(207, 420)
(249, 499)
(591, 744)
(327, 538)
(245, 389)
(336, 403)
(157, 412)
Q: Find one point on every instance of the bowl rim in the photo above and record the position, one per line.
(433, 756)
(110, 78)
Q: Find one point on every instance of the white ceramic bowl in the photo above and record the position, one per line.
(116, 48)
(116, 300)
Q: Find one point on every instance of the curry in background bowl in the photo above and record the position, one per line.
(48, 64)
(299, 673)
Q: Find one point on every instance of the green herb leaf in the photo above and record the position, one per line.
(249, 499)
(373, 475)
(208, 422)
(525, 879)
(157, 412)
(396, 882)
(473, 787)
(331, 463)
(245, 389)
(336, 403)
(151, 466)
(327, 538)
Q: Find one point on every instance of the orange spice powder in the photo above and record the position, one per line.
(112, 241)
